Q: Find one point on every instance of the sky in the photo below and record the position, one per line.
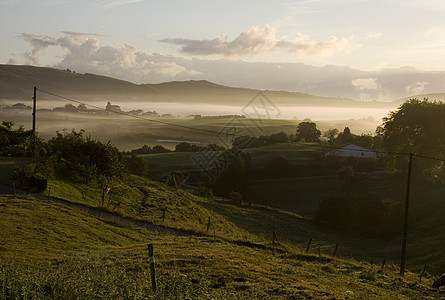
(360, 49)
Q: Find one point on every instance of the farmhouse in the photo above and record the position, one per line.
(352, 151)
(111, 107)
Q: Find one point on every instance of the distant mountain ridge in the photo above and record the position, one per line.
(17, 83)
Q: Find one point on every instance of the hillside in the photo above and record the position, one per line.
(17, 82)
(50, 250)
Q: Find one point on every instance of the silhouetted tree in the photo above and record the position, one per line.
(417, 127)
(331, 134)
(345, 137)
(307, 131)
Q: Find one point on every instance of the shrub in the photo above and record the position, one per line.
(335, 210)
(236, 197)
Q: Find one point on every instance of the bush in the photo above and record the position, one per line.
(30, 180)
(335, 210)
(236, 197)
(205, 192)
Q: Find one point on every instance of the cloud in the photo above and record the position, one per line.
(256, 41)
(83, 53)
(416, 88)
(75, 33)
(38, 43)
(365, 83)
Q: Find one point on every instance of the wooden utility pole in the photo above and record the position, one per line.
(405, 224)
(34, 110)
(34, 121)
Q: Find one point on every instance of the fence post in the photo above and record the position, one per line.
(308, 245)
(335, 250)
(273, 242)
(152, 266)
(13, 188)
(163, 215)
(383, 263)
(208, 225)
(422, 273)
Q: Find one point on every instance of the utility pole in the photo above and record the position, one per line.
(34, 111)
(34, 122)
(405, 224)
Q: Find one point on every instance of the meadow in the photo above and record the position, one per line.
(222, 249)
(53, 251)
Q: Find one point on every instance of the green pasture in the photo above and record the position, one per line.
(52, 251)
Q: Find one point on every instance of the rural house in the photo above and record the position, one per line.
(112, 107)
(351, 151)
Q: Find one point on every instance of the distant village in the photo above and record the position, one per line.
(109, 109)
(83, 109)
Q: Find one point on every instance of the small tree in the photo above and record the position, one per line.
(331, 134)
(345, 137)
(307, 131)
(183, 147)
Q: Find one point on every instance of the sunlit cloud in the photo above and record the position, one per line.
(258, 42)
(84, 53)
(38, 43)
(416, 88)
(365, 83)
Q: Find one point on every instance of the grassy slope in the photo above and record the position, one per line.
(145, 200)
(54, 251)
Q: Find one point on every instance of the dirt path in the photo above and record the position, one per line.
(6, 190)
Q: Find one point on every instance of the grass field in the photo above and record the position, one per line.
(128, 133)
(52, 251)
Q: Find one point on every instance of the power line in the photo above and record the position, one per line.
(233, 134)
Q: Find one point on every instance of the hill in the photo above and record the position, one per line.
(53, 251)
(17, 82)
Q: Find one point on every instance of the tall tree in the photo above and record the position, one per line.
(417, 127)
(307, 131)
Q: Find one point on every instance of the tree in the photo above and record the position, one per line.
(15, 142)
(307, 131)
(233, 176)
(279, 137)
(91, 159)
(183, 147)
(345, 137)
(416, 127)
(331, 134)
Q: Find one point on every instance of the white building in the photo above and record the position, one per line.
(352, 151)
(111, 107)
